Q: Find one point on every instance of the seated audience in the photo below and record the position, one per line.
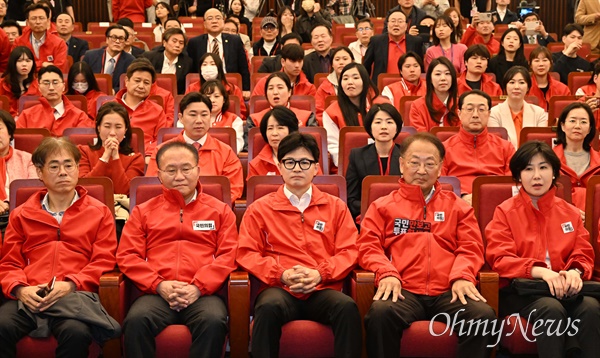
(590, 94)
(354, 101)
(438, 106)
(511, 54)
(383, 123)
(46, 242)
(232, 27)
(410, 66)
(19, 78)
(503, 15)
(412, 13)
(237, 10)
(437, 250)
(541, 36)
(474, 151)
(76, 47)
(543, 86)
(340, 57)
(286, 20)
(54, 112)
(12, 30)
(112, 155)
(215, 157)
(81, 81)
(514, 114)
(553, 248)
(311, 16)
(364, 32)
(154, 238)
(477, 58)
(273, 63)
(444, 44)
(220, 115)
(318, 61)
(302, 262)
(268, 45)
(163, 12)
(481, 32)
(454, 14)
(129, 46)
(568, 61)
(278, 123)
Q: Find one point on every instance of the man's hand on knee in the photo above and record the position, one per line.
(388, 286)
(28, 295)
(462, 288)
(61, 289)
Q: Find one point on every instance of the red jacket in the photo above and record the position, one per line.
(402, 88)
(268, 247)
(168, 102)
(92, 102)
(215, 158)
(590, 91)
(36, 247)
(325, 90)
(555, 88)
(302, 115)
(148, 116)
(519, 235)
(42, 116)
(33, 90)
(54, 50)
(469, 156)
(161, 241)
(119, 171)
(5, 50)
(300, 87)
(420, 118)
(395, 240)
(471, 37)
(131, 9)
(230, 88)
(578, 183)
(487, 85)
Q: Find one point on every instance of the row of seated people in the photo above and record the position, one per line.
(179, 247)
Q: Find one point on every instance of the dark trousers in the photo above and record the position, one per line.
(73, 337)
(386, 320)
(150, 314)
(554, 312)
(275, 307)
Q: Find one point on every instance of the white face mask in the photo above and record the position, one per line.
(209, 72)
(80, 87)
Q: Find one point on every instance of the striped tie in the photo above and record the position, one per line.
(215, 48)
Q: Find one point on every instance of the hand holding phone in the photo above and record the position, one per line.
(43, 292)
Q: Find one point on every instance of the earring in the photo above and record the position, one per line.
(553, 177)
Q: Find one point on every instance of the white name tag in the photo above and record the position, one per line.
(515, 190)
(319, 226)
(348, 26)
(104, 24)
(567, 227)
(439, 216)
(146, 24)
(203, 225)
(187, 25)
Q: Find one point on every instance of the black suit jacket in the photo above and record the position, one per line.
(77, 48)
(233, 51)
(376, 57)
(270, 64)
(364, 161)
(508, 18)
(312, 65)
(136, 51)
(182, 67)
(95, 58)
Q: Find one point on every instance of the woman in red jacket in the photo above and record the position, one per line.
(19, 78)
(574, 135)
(111, 156)
(438, 107)
(543, 86)
(591, 93)
(340, 57)
(536, 235)
(81, 81)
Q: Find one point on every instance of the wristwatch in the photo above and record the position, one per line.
(578, 271)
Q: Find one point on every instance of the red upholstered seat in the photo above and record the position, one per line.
(44, 347)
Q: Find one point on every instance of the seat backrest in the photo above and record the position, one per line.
(556, 106)
(443, 133)
(592, 216)
(79, 101)
(405, 103)
(27, 101)
(339, 30)
(28, 139)
(191, 78)
(255, 77)
(255, 63)
(303, 102)
(104, 82)
(103, 99)
(386, 79)
(100, 188)
(261, 185)
(235, 79)
(168, 81)
(584, 51)
(145, 188)
(376, 186)
(578, 80)
(86, 136)
(4, 103)
(544, 134)
(320, 78)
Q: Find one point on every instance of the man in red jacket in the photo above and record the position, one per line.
(476, 61)
(178, 249)
(481, 32)
(60, 232)
(301, 244)
(425, 247)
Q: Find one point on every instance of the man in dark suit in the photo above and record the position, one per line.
(385, 50)
(503, 15)
(542, 37)
(318, 61)
(229, 47)
(169, 58)
(111, 59)
(65, 27)
(129, 47)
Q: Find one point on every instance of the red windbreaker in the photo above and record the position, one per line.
(42, 116)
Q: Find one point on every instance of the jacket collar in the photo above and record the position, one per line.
(544, 203)
(282, 203)
(473, 139)
(414, 193)
(68, 105)
(175, 197)
(594, 162)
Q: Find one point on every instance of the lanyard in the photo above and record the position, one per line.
(389, 164)
(451, 52)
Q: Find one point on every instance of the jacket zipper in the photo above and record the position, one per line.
(179, 243)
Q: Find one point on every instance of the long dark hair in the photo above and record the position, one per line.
(11, 76)
(458, 30)
(561, 137)
(349, 110)
(452, 92)
(242, 11)
(448, 21)
(280, 15)
(520, 59)
(117, 108)
(209, 88)
(167, 6)
(218, 63)
(86, 71)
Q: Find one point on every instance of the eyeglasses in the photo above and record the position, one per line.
(416, 165)
(55, 167)
(269, 28)
(290, 164)
(470, 109)
(396, 21)
(364, 29)
(54, 83)
(186, 171)
(117, 38)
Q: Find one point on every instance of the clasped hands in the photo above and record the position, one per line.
(36, 304)
(301, 279)
(178, 294)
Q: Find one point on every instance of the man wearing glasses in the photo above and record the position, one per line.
(301, 244)
(474, 151)
(364, 32)
(425, 248)
(268, 45)
(48, 48)
(54, 112)
(111, 59)
(59, 232)
(178, 249)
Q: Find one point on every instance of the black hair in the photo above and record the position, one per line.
(209, 87)
(52, 145)
(338, 49)
(281, 75)
(167, 34)
(452, 92)
(298, 140)
(425, 137)
(283, 116)
(481, 93)
(448, 21)
(360, 21)
(512, 72)
(117, 108)
(175, 144)
(282, 10)
(404, 57)
(321, 25)
(116, 27)
(292, 35)
(9, 122)
(477, 50)
(86, 71)
(49, 69)
(521, 159)
(292, 52)
(37, 6)
(569, 28)
(519, 59)
(12, 23)
(561, 137)
(349, 110)
(218, 63)
(167, 6)
(125, 21)
(383, 107)
(194, 97)
(595, 73)
(11, 75)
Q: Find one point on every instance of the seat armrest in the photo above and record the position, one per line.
(488, 286)
(239, 313)
(111, 292)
